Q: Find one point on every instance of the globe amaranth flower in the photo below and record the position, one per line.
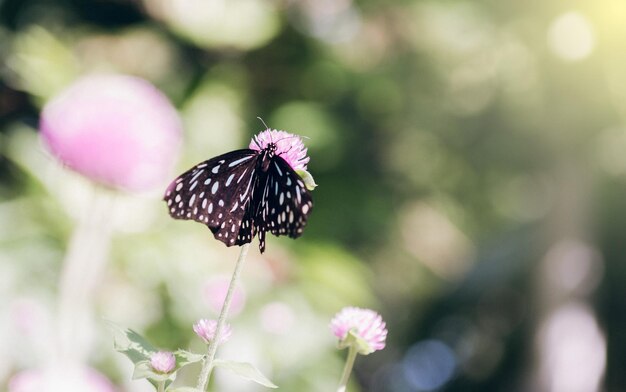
(206, 329)
(365, 324)
(163, 362)
(114, 129)
(288, 146)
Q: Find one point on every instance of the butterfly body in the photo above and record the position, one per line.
(241, 194)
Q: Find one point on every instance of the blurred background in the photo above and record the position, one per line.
(471, 164)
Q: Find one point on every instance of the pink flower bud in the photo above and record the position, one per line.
(365, 323)
(163, 362)
(288, 146)
(206, 329)
(114, 129)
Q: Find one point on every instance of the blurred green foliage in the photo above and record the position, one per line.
(454, 144)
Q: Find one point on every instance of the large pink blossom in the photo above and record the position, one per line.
(288, 146)
(115, 129)
(365, 323)
(67, 380)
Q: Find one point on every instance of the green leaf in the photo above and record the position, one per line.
(245, 370)
(185, 389)
(184, 358)
(139, 351)
(132, 344)
(156, 383)
(309, 182)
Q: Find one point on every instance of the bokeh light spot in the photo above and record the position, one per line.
(429, 364)
(571, 36)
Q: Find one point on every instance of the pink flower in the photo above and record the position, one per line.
(117, 130)
(163, 362)
(205, 329)
(288, 146)
(365, 323)
(67, 380)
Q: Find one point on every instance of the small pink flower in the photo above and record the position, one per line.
(288, 146)
(205, 329)
(163, 362)
(365, 323)
(114, 129)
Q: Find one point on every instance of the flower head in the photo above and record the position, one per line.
(366, 324)
(163, 362)
(288, 146)
(114, 129)
(206, 329)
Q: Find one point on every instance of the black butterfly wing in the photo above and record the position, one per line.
(285, 204)
(218, 193)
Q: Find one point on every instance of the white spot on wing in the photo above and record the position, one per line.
(215, 187)
(230, 178)
(243, 196)
(241, 176)
(195, 177)
(238, 161)
(280, 173)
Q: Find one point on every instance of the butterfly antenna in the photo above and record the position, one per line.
(263, 122)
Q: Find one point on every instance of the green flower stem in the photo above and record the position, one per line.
(207, 366)
(161, 387)
(352, 352)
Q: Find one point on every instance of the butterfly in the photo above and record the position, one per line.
(245, 193)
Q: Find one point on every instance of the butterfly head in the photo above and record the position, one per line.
(270, 149)
(286, 145)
